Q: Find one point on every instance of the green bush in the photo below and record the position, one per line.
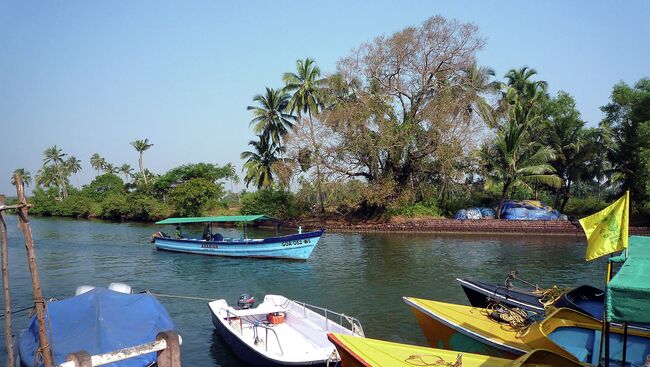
(113, 206)
(75, 205)
(143, 207)
(417, 210)
(276, 203)
(190, 198)
(584, 206)
(43, 202)
(102, 186)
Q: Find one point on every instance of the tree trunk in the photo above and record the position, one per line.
(142, 169)
(64, 189)
(503, 199)
(318, 175)
(565, 198)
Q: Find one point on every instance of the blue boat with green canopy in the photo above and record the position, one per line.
(298, 246)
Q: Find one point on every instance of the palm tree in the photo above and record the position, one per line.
(306, 87)
(72, 164)
(516, 161)
(25, 175)
(519, 81)
(141, 146)
(47, 177)
(127, 171)
(259, 163)
(477, 82)
(54, 156)
(110, 168)
(97, 162)
(271, 117)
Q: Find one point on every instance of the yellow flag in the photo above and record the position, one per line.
(607, 230)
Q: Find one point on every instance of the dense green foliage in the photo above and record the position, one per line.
(276, 203)
(186, 190)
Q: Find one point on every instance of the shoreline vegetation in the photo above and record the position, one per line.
(406, 131)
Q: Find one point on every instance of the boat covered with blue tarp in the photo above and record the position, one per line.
(98, 321)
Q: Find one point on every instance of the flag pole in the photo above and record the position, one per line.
(604, 328)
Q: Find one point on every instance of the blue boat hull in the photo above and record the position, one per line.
(295, 247)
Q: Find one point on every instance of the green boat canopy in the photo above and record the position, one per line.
(225, 218)
(628, 293)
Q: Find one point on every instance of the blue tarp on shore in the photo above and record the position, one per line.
(98, 321)
(528, 210)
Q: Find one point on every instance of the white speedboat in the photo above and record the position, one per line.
(281, 332)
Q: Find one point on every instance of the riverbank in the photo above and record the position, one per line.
(443, 225)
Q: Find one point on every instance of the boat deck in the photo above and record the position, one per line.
(289, 343)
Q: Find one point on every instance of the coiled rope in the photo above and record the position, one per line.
(515, 318)
(418, 360)
(550, 295)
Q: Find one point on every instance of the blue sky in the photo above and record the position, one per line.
(91, 76)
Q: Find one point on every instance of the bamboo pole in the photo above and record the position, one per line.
(9, 336)
(39, 303)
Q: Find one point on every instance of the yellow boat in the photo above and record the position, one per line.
(563, 331)
(364, 352)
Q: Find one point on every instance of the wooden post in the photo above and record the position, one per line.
(39, 303)
(170, 356)
(9, 336)
(80, 359)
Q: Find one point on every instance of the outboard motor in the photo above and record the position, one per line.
(245, 301)
(83, 289)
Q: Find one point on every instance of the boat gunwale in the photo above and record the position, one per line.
(267, 240)
(487, 292)
(483, 339)
(337, 343)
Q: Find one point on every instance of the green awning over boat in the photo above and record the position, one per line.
(628, 293)
(225, 218)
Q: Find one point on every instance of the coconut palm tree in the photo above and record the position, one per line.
(97, 162)
(306, 86)
(54, 157)
(259, 163)
(25, 175)
(271, 117)
(520, 81)
(110, 168)
(47, 177)
(72, 164)
(515, 160)
(141, 146)
(127, 171)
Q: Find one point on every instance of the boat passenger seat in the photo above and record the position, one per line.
(217, 237)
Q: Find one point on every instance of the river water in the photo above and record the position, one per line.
(364, 275)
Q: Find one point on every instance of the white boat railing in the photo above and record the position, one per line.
(255, 325)
(167, 344)
(266, 337)
(353, 323)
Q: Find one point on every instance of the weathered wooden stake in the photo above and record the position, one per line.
(39, 303)
(170, 356)
(9, 336)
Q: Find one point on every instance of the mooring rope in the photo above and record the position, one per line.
(550, 295)
(517, 319)
(179, 296)
(17, 311)
(418, 360)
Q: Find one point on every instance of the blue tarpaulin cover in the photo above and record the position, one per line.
(528, 210)
(98, 321)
